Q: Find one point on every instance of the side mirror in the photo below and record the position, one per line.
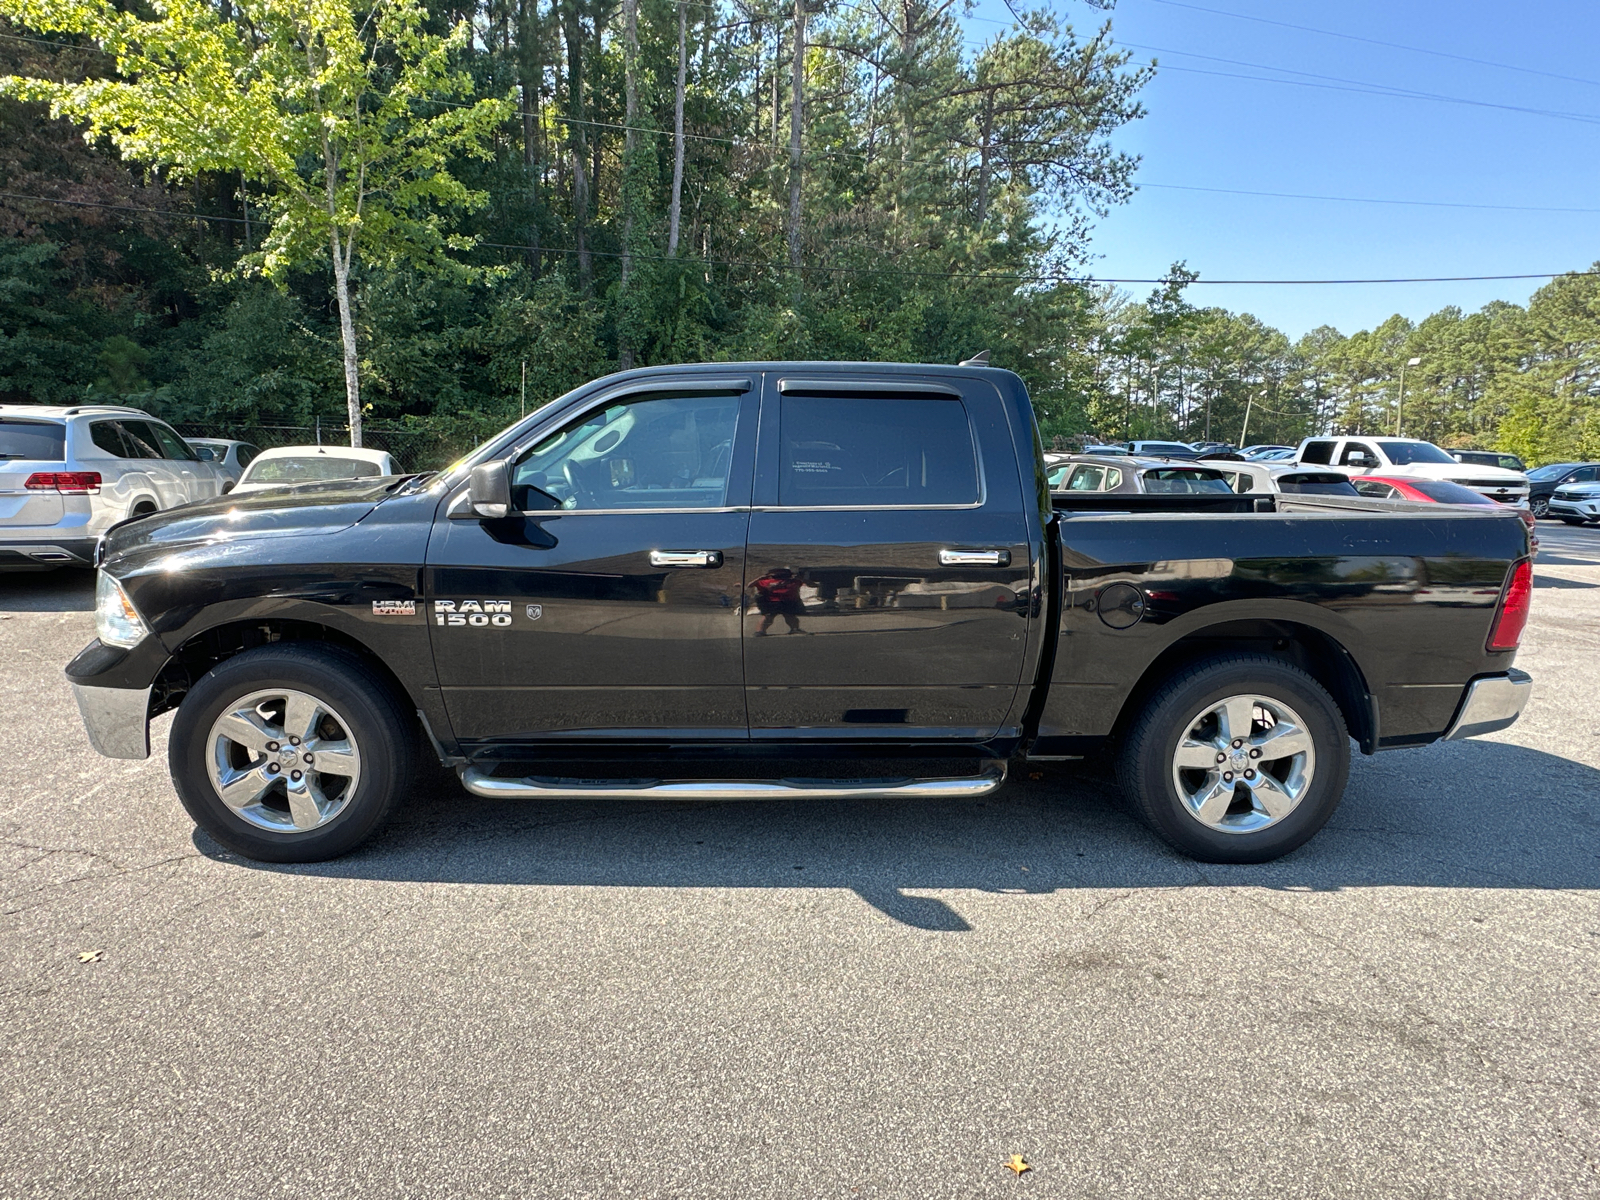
(489, 489)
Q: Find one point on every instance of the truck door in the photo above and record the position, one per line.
(607, 606)
(888, 561)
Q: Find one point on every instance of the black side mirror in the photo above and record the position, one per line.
(489, 489)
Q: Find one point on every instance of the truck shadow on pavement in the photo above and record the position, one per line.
(1467, 815)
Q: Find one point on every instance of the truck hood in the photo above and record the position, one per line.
(1455, 473)
(308, 509)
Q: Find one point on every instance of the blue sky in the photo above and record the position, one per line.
(1206, 130)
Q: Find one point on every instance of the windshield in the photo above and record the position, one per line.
(1404, 454)
(37, 441)
(1551, 471)
(310, 469)
(1164, 448)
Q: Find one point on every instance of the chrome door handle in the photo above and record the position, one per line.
(686, 558)
(975, 558)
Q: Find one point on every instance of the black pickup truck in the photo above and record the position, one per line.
(719, 567)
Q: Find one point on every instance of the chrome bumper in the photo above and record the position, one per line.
(117, 719)
(1492, 703)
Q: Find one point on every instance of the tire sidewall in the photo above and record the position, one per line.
(1169, 716)
(329, 676)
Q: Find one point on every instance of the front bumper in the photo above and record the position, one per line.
(1585, 510)
(1490, 704)
(117, 719)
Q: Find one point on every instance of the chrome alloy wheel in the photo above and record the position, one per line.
(283, 761)
(1243, 764)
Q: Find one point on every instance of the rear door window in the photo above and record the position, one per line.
(108, 436)
(32, 441)
(141, 440)
(1320, 453)
(1087, 479)
(245, 453)
(873, 452)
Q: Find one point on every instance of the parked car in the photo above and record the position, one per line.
(231, 458)
(1285, 478)
(1434, 491)
(1279, 454)
(285, 466)
(1149, 449)
(1259, 450)
(1576, 503)
(69, 473)
(579, 580)
(1543, 482)
(1090, 473)
(1207, 448)
(1490, 458)
(1410, 458)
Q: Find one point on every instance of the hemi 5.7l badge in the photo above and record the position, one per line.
(394, 608)
(477, 613)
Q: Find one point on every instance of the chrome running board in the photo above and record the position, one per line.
(990, 777)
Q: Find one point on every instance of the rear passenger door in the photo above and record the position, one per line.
(887, 562)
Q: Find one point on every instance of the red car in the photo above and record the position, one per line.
(1433, 491)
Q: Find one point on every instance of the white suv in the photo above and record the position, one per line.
(67, 474)
(1411, 458)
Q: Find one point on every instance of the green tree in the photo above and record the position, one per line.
(342, 114)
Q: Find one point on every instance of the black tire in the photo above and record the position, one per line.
(375, 721)
(1145, 761)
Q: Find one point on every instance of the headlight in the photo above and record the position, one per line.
(116, 620)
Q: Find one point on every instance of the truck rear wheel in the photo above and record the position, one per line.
(1238, 759)
(291, 753)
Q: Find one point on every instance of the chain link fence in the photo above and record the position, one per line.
(413, 449)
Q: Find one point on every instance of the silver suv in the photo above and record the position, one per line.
(68, 474)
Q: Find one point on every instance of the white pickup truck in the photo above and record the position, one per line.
(1411, 458)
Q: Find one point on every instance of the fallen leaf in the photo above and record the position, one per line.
(87, 956)
(1015, 1163)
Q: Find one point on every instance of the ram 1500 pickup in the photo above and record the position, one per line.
(744, 563)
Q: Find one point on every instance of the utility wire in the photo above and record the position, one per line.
(1380, 89)
(1355, 37)
(993, 276)
(1364, 83)
(1185, 187)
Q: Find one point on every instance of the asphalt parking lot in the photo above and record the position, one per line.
(629, 1000)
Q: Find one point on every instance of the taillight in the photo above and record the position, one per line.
(71, 482)
(1512, 613)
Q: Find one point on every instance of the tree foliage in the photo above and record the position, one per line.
(639, 200)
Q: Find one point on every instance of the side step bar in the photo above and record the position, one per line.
(990, 777)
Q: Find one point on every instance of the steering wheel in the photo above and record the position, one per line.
(580, 489)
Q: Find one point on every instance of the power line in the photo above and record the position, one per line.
(1355, 37)
(1338, 84)
(992, 276)
(1184, 187)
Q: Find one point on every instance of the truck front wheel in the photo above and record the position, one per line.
(291, 753)
(1237, 759)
